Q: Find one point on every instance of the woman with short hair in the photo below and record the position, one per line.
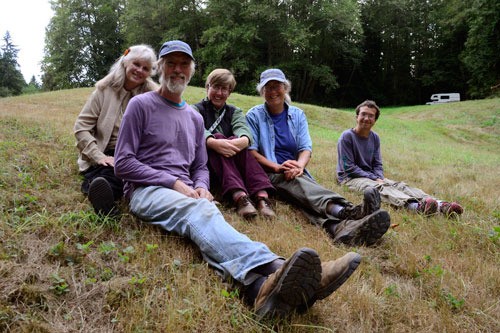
(227, 135)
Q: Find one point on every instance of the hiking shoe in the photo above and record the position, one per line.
(365, 231)
(333, 275)
(427, 206)
(264, 208)
(245, 208)
(450, 209)
(292, 284)
(102, 198)
(371, 203)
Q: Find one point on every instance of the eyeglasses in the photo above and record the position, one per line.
(222, 89)
(273, 86)
(366, 115)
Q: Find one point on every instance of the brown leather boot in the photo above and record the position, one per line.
(264, 207)
(334, 274)
(245, 208)
(290, 286)
(365, 231)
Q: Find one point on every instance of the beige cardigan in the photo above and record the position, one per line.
(95, 123)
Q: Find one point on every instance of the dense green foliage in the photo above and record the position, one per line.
(11, 79)
(335, 52)
(83, 39)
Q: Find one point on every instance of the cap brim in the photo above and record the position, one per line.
(169, 52)
(263, 83)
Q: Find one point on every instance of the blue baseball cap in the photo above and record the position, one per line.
(175, 46)
(272, 74)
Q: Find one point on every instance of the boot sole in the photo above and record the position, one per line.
(101, 196)
(371, 201)
(297, 285)
(369, 231)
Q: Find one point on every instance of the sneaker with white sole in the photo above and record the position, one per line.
(427, 206)
(450, 209)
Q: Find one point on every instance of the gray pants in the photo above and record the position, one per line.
(395, 193)
(304, 193)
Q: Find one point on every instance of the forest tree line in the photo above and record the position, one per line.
(336, 52)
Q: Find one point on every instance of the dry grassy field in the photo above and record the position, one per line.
(62, 269)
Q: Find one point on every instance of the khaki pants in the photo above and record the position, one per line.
(398, 194)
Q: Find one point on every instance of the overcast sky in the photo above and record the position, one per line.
(26, 21)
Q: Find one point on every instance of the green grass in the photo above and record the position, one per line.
(63, 269)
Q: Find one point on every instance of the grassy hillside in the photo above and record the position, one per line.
(62, 269)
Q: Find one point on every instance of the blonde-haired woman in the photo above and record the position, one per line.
(97, 125)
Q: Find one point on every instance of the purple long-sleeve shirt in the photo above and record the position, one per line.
(159, 143)
(359, 157)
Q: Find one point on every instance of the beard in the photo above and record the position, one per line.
(175, 87)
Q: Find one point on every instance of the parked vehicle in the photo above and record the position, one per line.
(444, 98)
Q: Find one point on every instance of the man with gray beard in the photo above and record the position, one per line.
(161, 156)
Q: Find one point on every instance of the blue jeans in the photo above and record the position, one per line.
(224, 248)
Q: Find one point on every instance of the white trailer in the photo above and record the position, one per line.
(444, 98)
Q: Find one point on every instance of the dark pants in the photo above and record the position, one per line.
(239, 172)
(105, 172)
(305, 193)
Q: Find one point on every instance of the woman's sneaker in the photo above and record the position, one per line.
(427, 206)
(450, 209)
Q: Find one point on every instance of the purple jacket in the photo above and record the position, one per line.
(358, 157)
(159, 143)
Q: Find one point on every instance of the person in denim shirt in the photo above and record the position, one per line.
(283, 146)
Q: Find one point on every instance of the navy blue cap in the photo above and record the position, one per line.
(175, 46)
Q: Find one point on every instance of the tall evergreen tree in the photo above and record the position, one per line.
(440, 68)
(82, 40)
(312, 41)
(34, 83)
(482, 48)
(11, 78)
(389, 51)
(153, 22)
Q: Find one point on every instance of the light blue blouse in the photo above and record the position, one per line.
(262, 128)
